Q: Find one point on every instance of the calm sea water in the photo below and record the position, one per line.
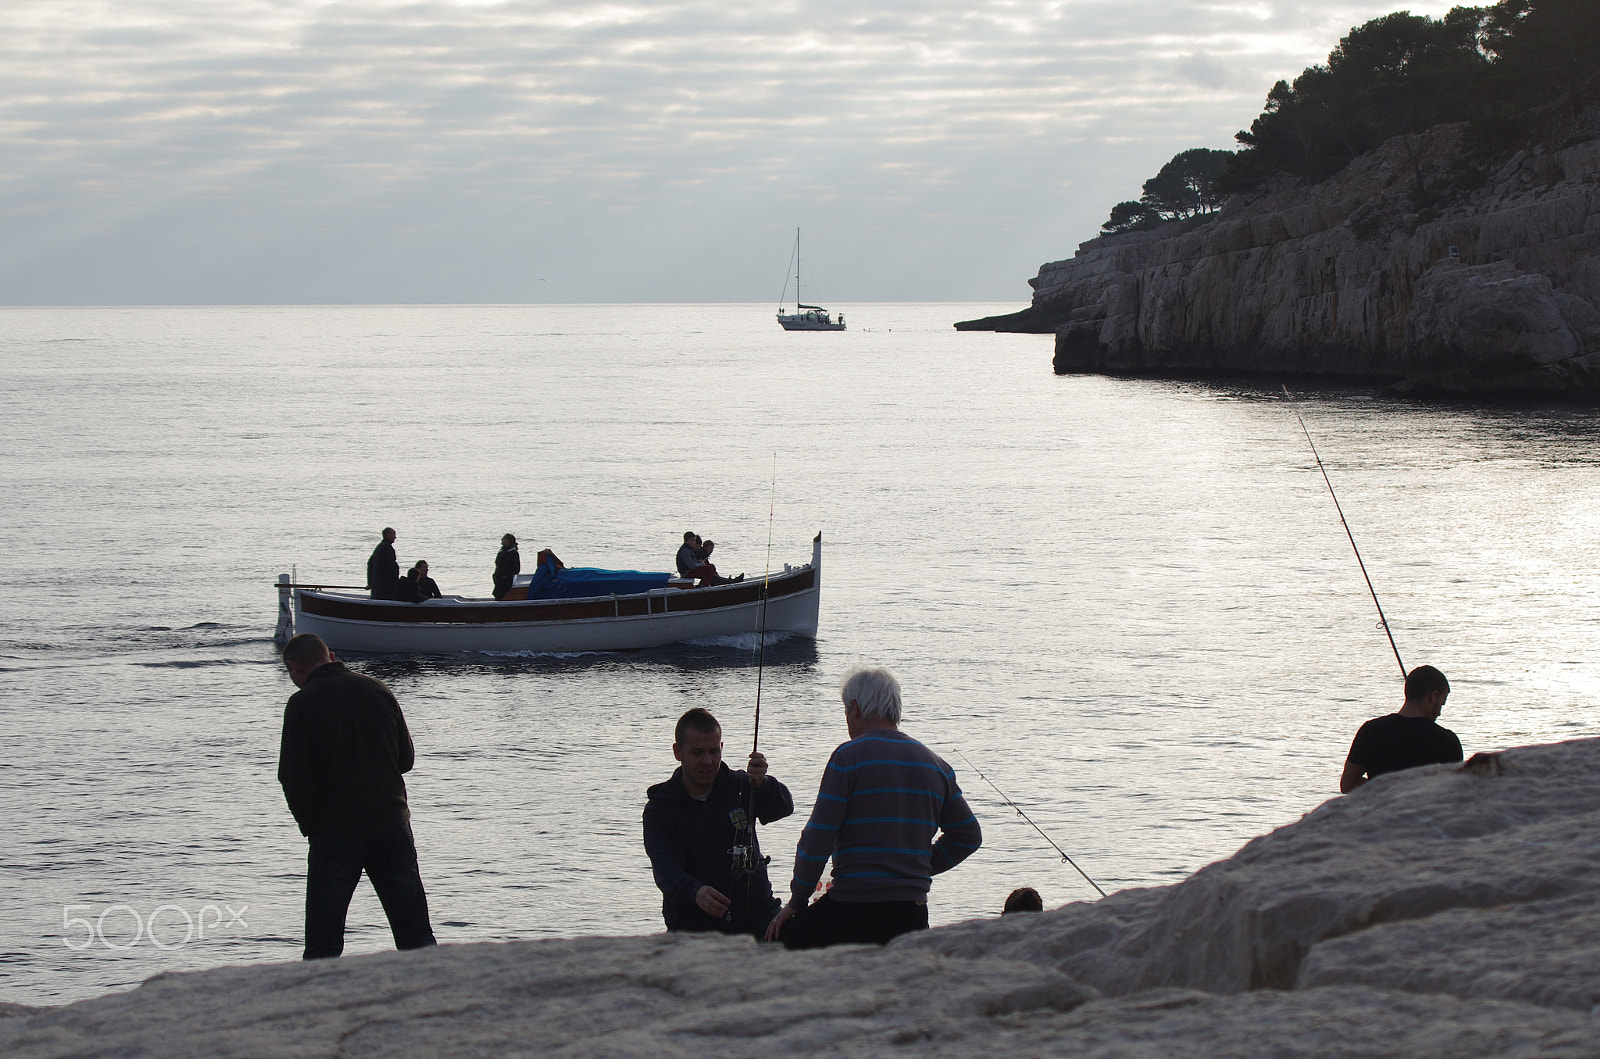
(1130, 603)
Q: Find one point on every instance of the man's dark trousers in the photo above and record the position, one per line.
(333, 868)
(828, 922)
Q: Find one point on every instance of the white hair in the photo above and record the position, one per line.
(875, 692)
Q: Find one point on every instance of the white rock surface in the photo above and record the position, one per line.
(1405, 848)
(1431, 913)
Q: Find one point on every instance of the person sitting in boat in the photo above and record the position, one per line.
(430, 588)
(694, 560)
(507, 565)
(689, 557)
(417, 586)
(706, 548)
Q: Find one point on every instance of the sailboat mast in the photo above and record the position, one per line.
(797, 270)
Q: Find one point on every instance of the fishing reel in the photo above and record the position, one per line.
(745, 861)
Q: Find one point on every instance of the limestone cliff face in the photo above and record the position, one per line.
(1496, 288)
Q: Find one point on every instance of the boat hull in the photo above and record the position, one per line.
(603, 623)
(808, 322)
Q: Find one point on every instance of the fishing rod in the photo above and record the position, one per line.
(1036, 827)
(1382, 618)
(761, 631)
(744, 854)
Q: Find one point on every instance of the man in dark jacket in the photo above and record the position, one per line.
(700, 838)
(507, 565)
(383, 569)
(345, 746)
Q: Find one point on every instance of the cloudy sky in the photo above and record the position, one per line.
(245, 151)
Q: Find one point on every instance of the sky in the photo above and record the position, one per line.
(369, 151)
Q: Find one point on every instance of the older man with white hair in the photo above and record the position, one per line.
(883, 798)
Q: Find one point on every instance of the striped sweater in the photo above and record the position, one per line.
(882, 799)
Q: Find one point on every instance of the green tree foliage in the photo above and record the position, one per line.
(1403, 72)
(1184, 188)
(1542, 48)
(1130, 217)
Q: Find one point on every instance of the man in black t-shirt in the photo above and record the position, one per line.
(1406, 739)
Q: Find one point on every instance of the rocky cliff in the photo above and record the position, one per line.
(1440, 912)
(1494, 285)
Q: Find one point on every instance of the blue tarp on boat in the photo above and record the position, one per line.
(576, 581)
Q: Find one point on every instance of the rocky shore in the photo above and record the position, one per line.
(1445, 911)
(1493, 287)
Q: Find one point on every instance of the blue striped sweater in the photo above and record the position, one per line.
(883, 798)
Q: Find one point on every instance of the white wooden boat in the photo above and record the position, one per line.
(785, 601)
(804, 317)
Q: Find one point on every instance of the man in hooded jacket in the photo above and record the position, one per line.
(694, 821)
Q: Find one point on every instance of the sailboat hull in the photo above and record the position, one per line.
(809, 321)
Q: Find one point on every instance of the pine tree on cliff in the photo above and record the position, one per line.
(1185, 187)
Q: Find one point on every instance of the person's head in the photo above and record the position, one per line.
(689, 537)
(697, 744)
(303, 654)
(414, 573)
(870, 694)
(422, 567)
(1426, 691)
(708, 546)
(508, 541)
(388, 534)
(1023, 899)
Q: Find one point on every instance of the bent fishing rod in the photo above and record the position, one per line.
(1036, 827)
(1382, 619)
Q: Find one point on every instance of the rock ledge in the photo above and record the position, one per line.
(1437, 912)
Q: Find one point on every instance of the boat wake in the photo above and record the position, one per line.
(744, 641)
(537, 654)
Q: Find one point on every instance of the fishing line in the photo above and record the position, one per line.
(1031, 824)
(1382, 619)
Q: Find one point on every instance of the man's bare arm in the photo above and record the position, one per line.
(1354, 776)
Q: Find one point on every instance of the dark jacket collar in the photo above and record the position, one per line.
(673, 789)
(327, 669)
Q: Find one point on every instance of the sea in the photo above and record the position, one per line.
(1126, 608)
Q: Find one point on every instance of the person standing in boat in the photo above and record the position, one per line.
(883, 798)
(345, 747)
(507, 565)
(696, 824)
(1407, 739)
(383, 569)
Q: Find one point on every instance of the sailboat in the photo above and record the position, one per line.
(805, 317)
